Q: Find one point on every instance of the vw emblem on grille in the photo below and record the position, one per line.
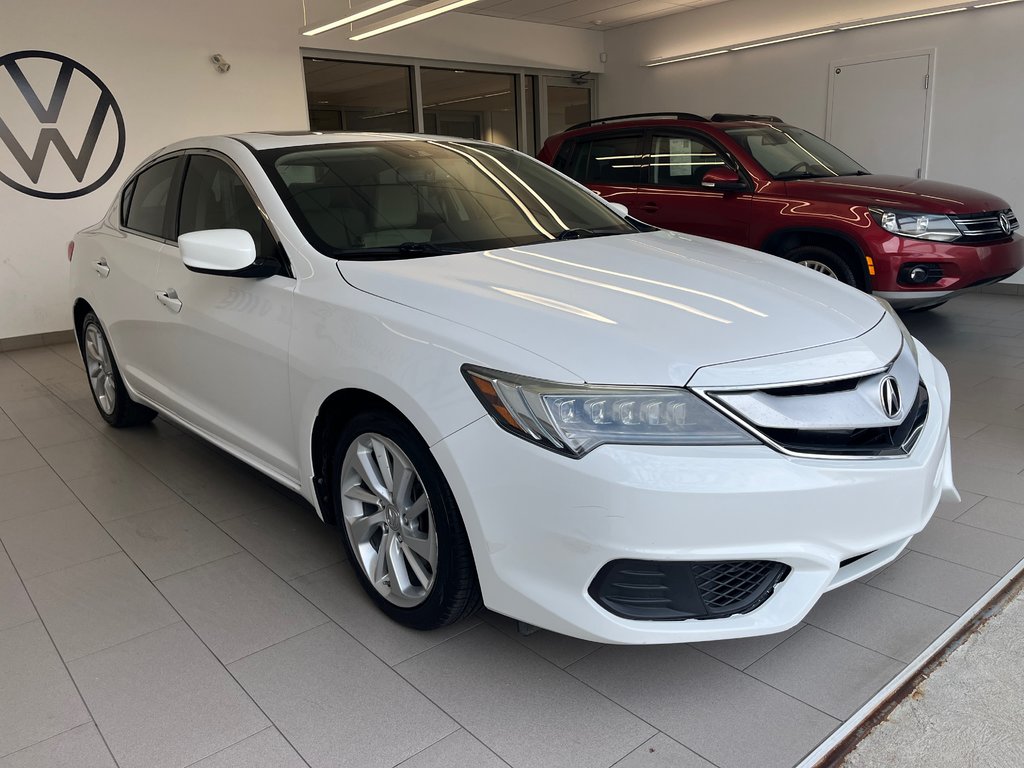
(1004, 223)
(889, 394)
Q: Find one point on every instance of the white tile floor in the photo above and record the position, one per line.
(163, 605)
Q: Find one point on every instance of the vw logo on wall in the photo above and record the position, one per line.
(889, 394)
(61, 131)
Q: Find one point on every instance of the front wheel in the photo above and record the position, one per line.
(823, 261)
(401, 525)
(108, 390)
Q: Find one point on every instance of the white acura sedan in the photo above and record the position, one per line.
(502, 390)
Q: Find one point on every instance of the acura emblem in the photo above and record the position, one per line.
(889, 394)
(1004, 223)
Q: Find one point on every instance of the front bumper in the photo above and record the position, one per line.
(542, 525)
(963, 266)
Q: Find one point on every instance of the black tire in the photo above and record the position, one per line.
(114, 405)
(811, 255)
(454, 591)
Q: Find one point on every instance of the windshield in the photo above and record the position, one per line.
(791, 153)
(416, 198)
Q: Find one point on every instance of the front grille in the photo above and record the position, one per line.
(672, 591)
(897, 440)
(985, 227)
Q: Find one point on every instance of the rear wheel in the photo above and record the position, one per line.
(108, 390)
(823, 261)
(401, 525)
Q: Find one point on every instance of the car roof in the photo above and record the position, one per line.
(260, 140)
(716, 122)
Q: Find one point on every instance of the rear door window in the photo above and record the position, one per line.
(615, 159)
(146, 206)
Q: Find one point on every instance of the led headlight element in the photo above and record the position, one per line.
(923, 226)
(573, 419)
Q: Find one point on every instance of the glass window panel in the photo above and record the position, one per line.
(567, 105)
(682, 161)
(607, 160)
(470, 105)
(214, 197)
(354, 96)
(148, 205)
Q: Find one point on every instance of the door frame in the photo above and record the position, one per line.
(931, 53)
(567, 81)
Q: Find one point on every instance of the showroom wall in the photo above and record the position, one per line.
(977, 109)
(152, 60)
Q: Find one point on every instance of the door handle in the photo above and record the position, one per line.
(649, 207)
(101, 267)
(169, 299)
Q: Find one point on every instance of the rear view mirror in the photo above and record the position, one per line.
(723, 178)
(227, 252)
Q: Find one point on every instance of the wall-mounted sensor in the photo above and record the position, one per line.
(220, 63)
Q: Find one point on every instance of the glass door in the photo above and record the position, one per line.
(568, 102)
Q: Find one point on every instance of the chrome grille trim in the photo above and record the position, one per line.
(985, 224)
(917, 410)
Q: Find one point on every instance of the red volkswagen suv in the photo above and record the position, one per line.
(756, 181)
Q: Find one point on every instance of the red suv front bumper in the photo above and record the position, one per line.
(963, 266)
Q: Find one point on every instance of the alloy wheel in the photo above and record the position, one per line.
(389, 520)
(100, 367)
(818, 266)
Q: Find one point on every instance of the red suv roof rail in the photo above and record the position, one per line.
(732, 117)
(674, 115)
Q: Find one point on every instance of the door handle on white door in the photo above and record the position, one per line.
(169, 299)
(101, 267)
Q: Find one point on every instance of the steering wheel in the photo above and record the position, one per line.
(803, 167)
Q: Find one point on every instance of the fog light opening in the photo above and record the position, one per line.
(920, 274)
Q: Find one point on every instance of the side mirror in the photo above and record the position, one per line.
(619, 208)
(724, 179)
(226, 252)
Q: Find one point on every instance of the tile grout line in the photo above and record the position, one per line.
(182, 619)
(270, 727)
(64, 664)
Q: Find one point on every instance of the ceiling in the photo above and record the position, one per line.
(586, 14)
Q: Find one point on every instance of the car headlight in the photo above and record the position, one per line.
(573, 419)
(923, 226)
(908, 338)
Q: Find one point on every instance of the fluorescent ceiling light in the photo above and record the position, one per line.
(903, 18)
(378, 8)
(780, 40)
(997, 2)
(419, 14)
(687, 58)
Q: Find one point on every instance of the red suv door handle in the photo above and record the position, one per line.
(649, 207)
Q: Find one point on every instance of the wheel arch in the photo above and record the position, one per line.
(80, 309)
(782, 241)
(332, 416)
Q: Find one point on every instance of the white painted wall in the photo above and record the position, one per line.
(977, 106)
(154, 56)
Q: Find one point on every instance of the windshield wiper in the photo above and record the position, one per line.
(402, 250)
(857, 173)
(802, 175)
(576, 234)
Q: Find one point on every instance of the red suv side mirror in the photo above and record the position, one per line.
(723, 178)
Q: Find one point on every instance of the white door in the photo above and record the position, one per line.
(878, 113)
(223, 340)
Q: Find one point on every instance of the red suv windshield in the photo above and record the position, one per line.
(791, 153)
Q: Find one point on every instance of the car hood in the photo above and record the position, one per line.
(899, 192)
(646, 308)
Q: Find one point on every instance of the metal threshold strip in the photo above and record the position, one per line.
(841, 741)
